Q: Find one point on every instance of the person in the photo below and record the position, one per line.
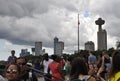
(92, 60)
(45, 64)
(99, 60)
(37, 66)
(62, 64)
(67, 68)
(56, 69)
(12, 58)
(114, 74)
(26, 73)
(96, 73)
(106, 60)
(2, 78)
(79, 70)
(106, 63)
(12, 72)
(102, 72)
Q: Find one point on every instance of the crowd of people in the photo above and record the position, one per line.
(58, 68)
(18, 70)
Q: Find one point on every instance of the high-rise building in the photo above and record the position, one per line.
(102, 40)
(55, 42)
(89, 46)
(38, 48)
(24, 52)
(101, 35)
(58, 46)
(33, 51)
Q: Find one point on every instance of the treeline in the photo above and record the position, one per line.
(83, 53)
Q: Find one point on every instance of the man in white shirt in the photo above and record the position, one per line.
(46, 63)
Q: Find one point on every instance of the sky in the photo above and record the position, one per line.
(23, 22)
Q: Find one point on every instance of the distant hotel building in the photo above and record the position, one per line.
(89, 46)
(38, 48)
(58, 46)
(102, 40)
(101, 35)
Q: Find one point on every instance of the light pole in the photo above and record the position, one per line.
(78, 33)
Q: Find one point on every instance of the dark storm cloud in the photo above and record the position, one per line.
(22, 8)
(28, 30)
(26, 21)
(10, 30)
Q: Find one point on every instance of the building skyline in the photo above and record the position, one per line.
(58, 46)
(24, 52)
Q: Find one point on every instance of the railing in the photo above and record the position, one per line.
(44, 74)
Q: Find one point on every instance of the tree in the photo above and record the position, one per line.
(118, 44)
(110, 51)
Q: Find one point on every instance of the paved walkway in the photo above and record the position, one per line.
(40, 79)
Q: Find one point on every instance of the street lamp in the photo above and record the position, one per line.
(78, 33)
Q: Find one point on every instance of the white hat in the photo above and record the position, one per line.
(29, 64)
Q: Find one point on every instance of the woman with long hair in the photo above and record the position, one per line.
(79, 70)
(115, 67)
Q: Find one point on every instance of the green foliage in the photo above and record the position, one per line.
(110, 51)
(32, 58)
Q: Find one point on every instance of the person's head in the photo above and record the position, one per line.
(46, 57)
(12, 72)
(21, 61)
(56, 58)
(93, 69)
(78, 66)
(12, 52)
(115, 67)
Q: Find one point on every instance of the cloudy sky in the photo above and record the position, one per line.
(22, 22)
